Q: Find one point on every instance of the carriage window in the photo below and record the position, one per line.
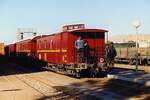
(39, 44)
(48, 44)
(51, 44)
(26, 46)
(70, 27)
(45, 43)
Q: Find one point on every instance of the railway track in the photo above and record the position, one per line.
(44, 88)
(41, 85)
(94, 91)
(48, 88)
(36, 85)
(53, 86)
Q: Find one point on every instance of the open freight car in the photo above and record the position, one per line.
(126, 53)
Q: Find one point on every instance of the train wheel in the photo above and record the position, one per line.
(131, 62)
(77, 74)
(46, 66)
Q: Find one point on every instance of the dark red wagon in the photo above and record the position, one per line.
(58, 50)
(10, 50)
(27, 47)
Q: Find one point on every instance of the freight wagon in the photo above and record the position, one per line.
(126, 53)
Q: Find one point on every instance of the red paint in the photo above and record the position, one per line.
(65, 41)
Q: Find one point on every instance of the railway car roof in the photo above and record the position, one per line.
(31, 38)
(90, 30)
(81, 30)
(48, 35)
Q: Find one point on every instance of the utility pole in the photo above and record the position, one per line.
(136, 25)
(22, 31)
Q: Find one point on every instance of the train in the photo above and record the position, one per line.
(127, 53)
(1, 48)
(58, 51)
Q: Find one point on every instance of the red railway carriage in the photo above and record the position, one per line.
(24, 52)
(10, 50)
(60, 48)
(1, 48)
(27, 47)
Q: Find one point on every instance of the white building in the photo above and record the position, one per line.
(143, 39)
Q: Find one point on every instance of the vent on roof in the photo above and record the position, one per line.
(73, 27)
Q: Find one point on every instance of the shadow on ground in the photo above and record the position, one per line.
(19, 65)
(119, 89)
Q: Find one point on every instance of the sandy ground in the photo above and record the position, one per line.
(15, 84)
(13, 89)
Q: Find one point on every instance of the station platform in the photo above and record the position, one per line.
(140, 77)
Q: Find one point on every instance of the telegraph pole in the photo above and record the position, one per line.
(136, 25)
(22, 31)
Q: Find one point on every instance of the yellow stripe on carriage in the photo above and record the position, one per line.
(51, 51)
(24, 51)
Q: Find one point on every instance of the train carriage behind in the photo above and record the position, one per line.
(1, 48)
(10, 50)
(27, 47)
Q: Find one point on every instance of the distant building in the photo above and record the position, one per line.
(143, 40)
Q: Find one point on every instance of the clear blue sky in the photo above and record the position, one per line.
(48, 16)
